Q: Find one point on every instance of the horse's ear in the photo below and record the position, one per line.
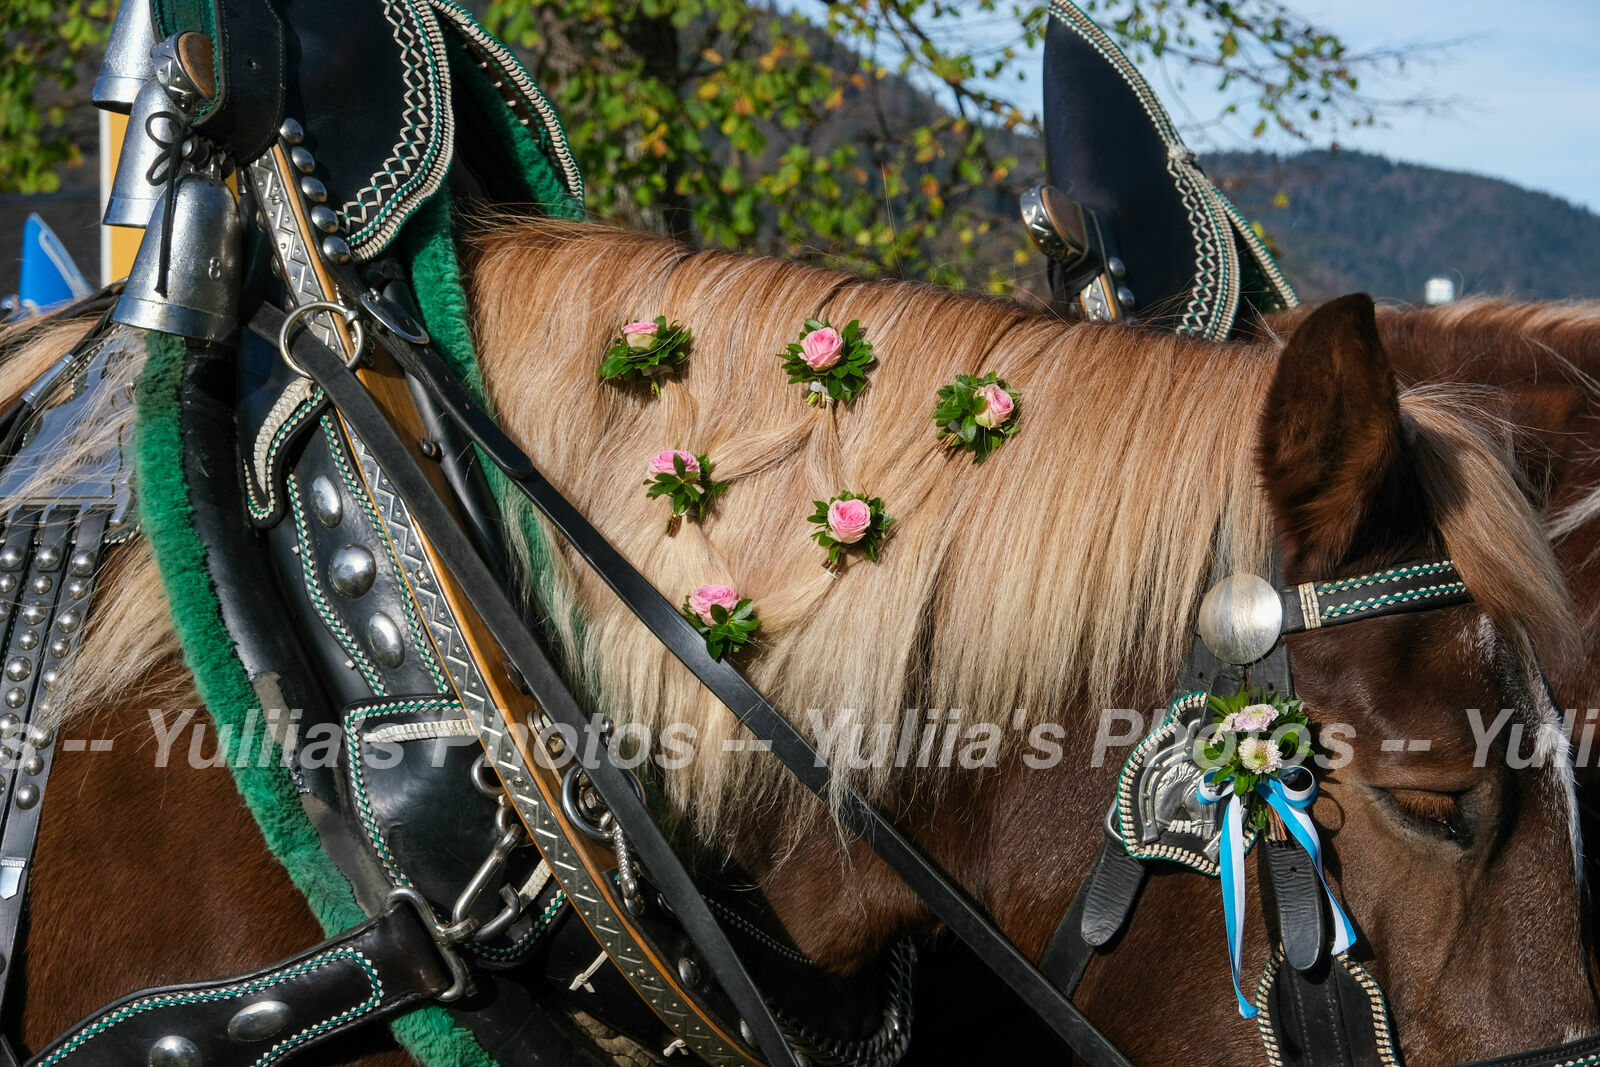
(1331, 445)
(1543, 419)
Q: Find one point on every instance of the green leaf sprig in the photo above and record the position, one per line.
(689, 489)
(976, 415)
(728, 631)
(1259, 734)
(644, 355)
(844, 375)
(871, 540)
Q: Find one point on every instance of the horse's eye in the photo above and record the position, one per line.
(1436, 814)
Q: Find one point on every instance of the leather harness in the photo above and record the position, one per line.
(338, 453)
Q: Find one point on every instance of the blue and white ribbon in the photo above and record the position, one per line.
(1291, 805)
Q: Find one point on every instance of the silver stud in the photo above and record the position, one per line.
(76, 588)
(69, 620)
(33, 765)
(351, 571)
(50, 677)
(15, 698)
(40, 736)
(33, 614)
(10, 558)
(18, 668)
(323, 218)
(335, 249)
(258, 1021)
(27, 795)
(314, 190)
(325, 501)
(41, 584)
(8, 582)
(28, 640)
(60, 647)
(292, 131)
(384, 637)
(48, 557)
(688, 971)
(303, 161)
(9, 725)
(1240, 618)
(1125, 296)
(1117, 268)
(82, 563)
(745, 1032)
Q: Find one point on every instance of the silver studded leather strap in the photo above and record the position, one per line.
(48, 567)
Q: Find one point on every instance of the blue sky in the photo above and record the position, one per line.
(1524, 76)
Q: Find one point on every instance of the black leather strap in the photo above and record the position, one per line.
(251, 72)
(1296, 895)
(669, 626)
(1418, 586)
(1098, 912)
(504, 622)
(382, 968)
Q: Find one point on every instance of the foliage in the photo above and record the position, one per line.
(1258, 734)
(870, 542)
(687, 489)
(840, 380)
(881, 135)
(729, 631)
(888, 136)
(960, 407)
(50, 45)
(658, 352)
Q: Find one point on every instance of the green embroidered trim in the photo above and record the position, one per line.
(319, 599)
(1437, 567)
(1356, 607)
(262, 511)
(419, 636)
(257, 985)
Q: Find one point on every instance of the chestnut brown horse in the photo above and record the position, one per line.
(1059, 578)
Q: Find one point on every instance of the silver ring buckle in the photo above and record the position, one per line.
(351, 316)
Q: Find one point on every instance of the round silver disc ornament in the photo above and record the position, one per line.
(1241, 618)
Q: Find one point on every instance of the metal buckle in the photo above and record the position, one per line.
(351, 316)
(460, 979)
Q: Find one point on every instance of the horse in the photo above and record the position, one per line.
(1058, 579)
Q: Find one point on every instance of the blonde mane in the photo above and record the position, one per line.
(1062, 574)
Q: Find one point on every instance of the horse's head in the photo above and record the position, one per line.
(1450, 816)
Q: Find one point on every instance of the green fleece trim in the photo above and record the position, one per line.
(429, 1034)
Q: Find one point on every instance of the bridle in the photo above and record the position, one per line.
(325, 444)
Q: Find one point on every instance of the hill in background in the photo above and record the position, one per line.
(1346, 221)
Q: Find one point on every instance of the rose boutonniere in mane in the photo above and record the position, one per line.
(645, 351)
(976, 415)
(851, 520)
(833, 362)
(1258, 735)
(725, 619)
(685, 479)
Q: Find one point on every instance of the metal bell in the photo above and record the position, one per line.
(204, 265)
(133, 196)
(127, 63)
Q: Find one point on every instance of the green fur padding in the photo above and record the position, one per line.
(428, 1034)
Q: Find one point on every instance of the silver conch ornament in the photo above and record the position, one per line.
(1241, 618)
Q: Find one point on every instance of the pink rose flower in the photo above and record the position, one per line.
(662, 462)
(848, 520)
(702, 600)
(639, 335)
(821, 348)
(997, 406)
